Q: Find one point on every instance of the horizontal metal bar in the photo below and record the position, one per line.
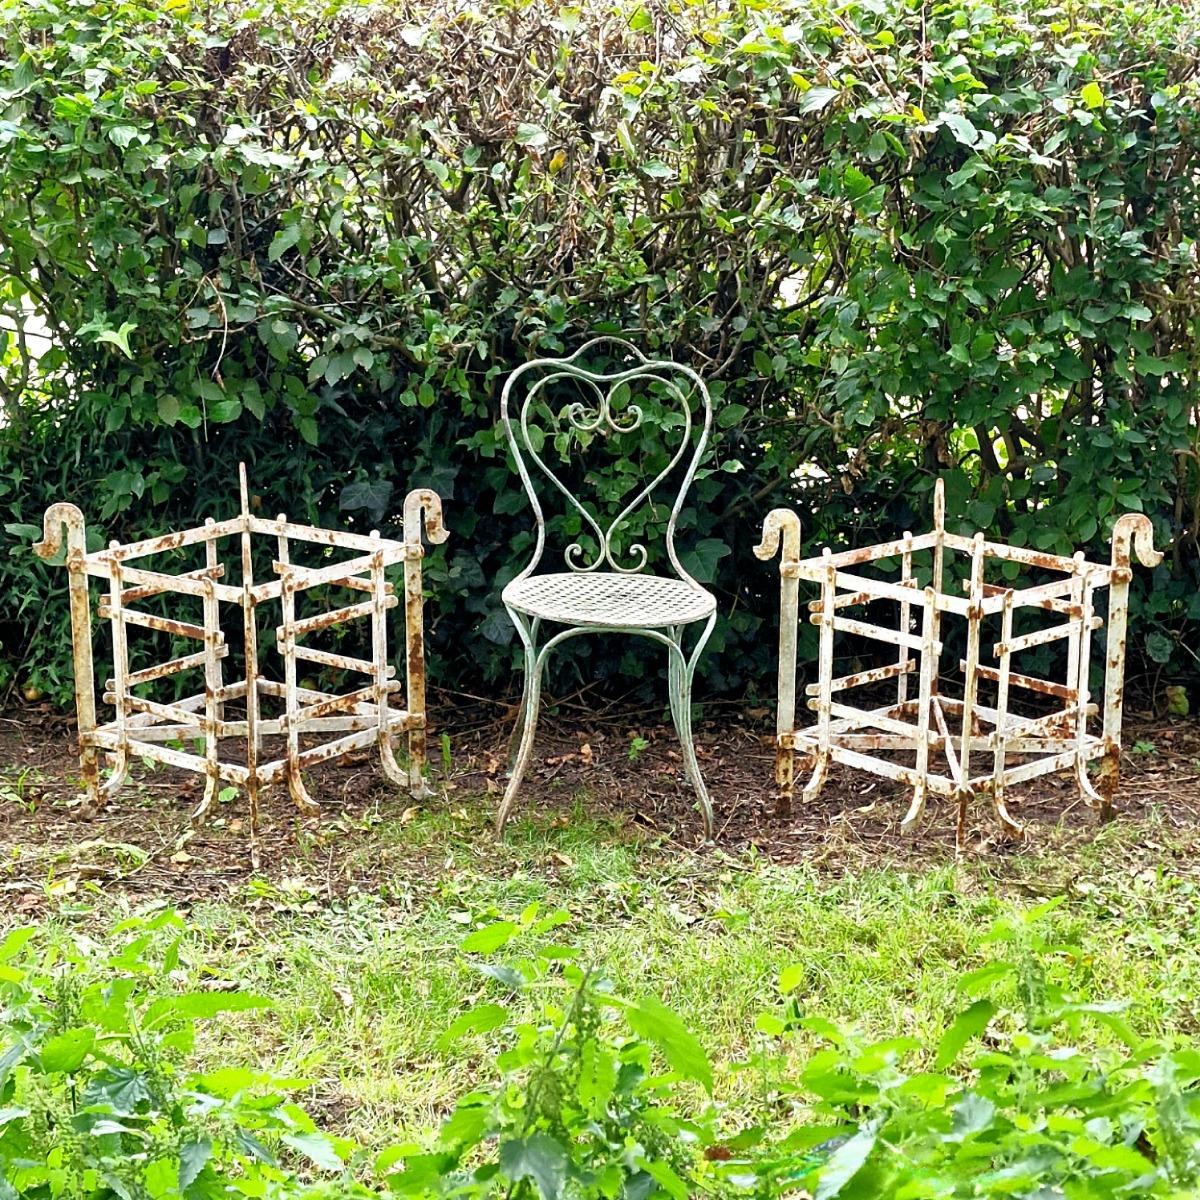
(163, 712)
(230, 772)
(1043, 636)
(814, 568)
(324, 537)
(341, 661)
(844, 682)
(1031, 558)
(879, 633)
(184, 585)
(939, 784)
(1031, 683)
(171, 667)
(307, 758)
(351, 700)
(132, 595)
(336, 616)
(1047, 596)
(166, 541)
(150, 621)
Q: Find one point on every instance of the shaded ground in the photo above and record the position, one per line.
(586, 769)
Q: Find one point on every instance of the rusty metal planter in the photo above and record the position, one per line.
(153, 730)
(933, 741)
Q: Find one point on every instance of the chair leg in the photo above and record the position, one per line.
(514, 741)
(682, 672)
(526, 721)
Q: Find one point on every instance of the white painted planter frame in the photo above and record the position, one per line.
(921, 726)
(356, 719)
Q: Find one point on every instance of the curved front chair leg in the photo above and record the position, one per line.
(684, 725)
(514, 741)
(527, 720)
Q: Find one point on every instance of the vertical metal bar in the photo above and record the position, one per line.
(250, 628)
(939, 566)
(56, 516)
(971, 681)
(824, 676)
(213, 670)
(291, 696)
(1133, 530)
(414, 661)
(906, 561)
(1076, 598)
(1084, 682)
(379, 654)
(924, 705)
(1001, 736)
(120, 644)
(785, 708)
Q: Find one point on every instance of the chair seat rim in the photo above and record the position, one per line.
(694, 602)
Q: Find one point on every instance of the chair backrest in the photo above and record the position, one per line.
(607, 410)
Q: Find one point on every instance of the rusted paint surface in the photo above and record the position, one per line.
(1016, 748)
(140, 725)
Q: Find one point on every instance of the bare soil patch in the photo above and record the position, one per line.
(628, 777)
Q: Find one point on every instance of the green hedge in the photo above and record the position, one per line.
(902, 238)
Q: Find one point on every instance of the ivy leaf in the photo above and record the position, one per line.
(961, 127)
(367, 494)
(654, 1021)
(538, 1157)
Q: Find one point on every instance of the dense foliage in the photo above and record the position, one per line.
(585, 1092)
(902, 238)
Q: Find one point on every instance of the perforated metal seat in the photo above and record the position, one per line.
(610, 599)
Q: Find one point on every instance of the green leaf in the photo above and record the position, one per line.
(225, 411)
(66, 1051)
(961, 127)
(845, 1162)
(531, 135)
(790, 978)
(192, 1158)
(1092, 95)
(169, 408)
(815, 99)
(654, 1021)
(198, 1006)
(317, 1148)
(538, 1157)
(972, 1114)
(480, 1019)
(118, 337)
(283, 241)
(489, 938)
(969, 1023)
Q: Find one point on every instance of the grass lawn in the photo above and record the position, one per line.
(365, 982)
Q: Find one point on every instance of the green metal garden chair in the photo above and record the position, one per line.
(606, 588)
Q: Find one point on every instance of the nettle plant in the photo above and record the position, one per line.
(1032, 1091)
(1008, 1103)
(95, 1097)
(580, 1104)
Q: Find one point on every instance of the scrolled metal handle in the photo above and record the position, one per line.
(424, 500)
(1136, 530)
(58, 515)
(781, 526)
